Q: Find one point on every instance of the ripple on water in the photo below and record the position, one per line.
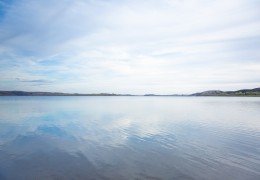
(130, 138)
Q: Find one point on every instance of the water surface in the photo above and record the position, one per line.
(180, 138)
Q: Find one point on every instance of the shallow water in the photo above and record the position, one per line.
(180, 138)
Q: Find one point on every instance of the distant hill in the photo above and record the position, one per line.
(242, 92)
(24, 93)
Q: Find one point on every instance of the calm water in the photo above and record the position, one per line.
(180, 138)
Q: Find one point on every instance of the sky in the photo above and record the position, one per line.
(129, 46)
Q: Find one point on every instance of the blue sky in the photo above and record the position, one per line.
(129, 46)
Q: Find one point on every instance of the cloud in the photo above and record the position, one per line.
(130, 46)
(38, 81)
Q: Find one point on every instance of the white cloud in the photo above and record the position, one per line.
(131, 46)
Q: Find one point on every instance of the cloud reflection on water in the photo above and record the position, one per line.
(119, 137)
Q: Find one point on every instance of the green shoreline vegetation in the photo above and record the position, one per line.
(238, 94)
(244, 92)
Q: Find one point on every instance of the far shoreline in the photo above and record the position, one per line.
(211, 93)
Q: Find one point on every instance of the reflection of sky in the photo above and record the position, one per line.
(95, 121)
(201, 131)
(84, 119)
